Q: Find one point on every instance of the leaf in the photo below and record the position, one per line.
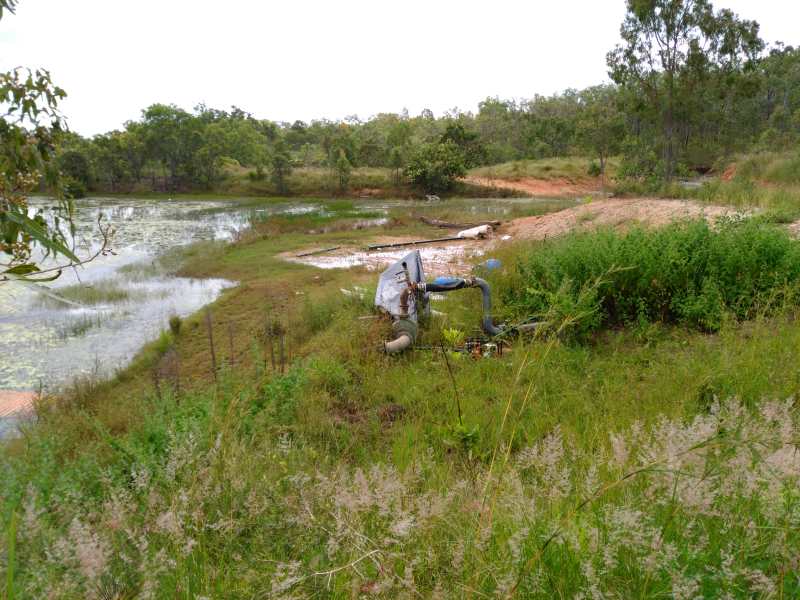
(25, 269)
(38, 233)
(26, 279)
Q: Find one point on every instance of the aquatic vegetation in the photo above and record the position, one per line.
(102, 292)
(80, 325)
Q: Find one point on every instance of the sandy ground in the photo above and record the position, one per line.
(612, 212)
(12, 402)
(551, 188)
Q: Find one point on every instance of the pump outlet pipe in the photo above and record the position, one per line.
(450, 284)
(406, 330)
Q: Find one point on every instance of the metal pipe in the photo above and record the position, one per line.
(415, 243)
(459, 283)
(400, 343)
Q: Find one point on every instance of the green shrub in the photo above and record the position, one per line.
(436, 167)
(686, 273)
(175, 323)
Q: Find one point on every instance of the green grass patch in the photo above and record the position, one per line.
(102, 292)
(618, 467)
(570, 168)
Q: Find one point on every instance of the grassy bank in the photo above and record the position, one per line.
(567, 168)
(649, 460)
(311, 182)
(768, 182)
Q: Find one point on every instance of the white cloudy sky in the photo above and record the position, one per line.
(303, 59)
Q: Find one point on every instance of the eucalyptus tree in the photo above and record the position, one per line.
(600, 124)
(671, 51)
(280, 166)
(30, 126)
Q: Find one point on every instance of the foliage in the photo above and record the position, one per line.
(281, 167)
(469, 142)
(435, 167)
(342, 167)
(600, 125)
(675, 54)
(686, 273)
(29, 130)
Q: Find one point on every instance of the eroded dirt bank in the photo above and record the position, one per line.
(551, 188)
(612, 212)
(14, 403)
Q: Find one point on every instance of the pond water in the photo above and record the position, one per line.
(95, 318)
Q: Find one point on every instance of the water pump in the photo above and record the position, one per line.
(404, 294)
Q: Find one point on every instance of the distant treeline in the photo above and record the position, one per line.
(679, 102)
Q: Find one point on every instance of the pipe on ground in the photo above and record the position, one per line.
(405, 336)
(487, 323)
(457, 283)
(397, 345)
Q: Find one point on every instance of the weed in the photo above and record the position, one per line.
(685, 273)
(175, 324)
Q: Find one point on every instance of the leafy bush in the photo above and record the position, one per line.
(435, 167)
(74, 189)
(685, 273)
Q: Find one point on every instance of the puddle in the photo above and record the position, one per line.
(448, 259)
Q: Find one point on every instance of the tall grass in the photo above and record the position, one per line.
(222, 494)
(650, 462)
(770, 167)
(571, 168)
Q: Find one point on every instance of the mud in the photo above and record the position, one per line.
(447, 258)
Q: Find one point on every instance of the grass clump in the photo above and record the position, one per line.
(688, 273)
(103, 292)
(779, 168)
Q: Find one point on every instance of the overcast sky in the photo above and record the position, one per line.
(304, 59)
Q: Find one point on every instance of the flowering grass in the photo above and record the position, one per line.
(649, 461)
(196, 505)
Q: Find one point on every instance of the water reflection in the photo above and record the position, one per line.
(47, 341)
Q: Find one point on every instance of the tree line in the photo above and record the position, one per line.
(689, 85)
